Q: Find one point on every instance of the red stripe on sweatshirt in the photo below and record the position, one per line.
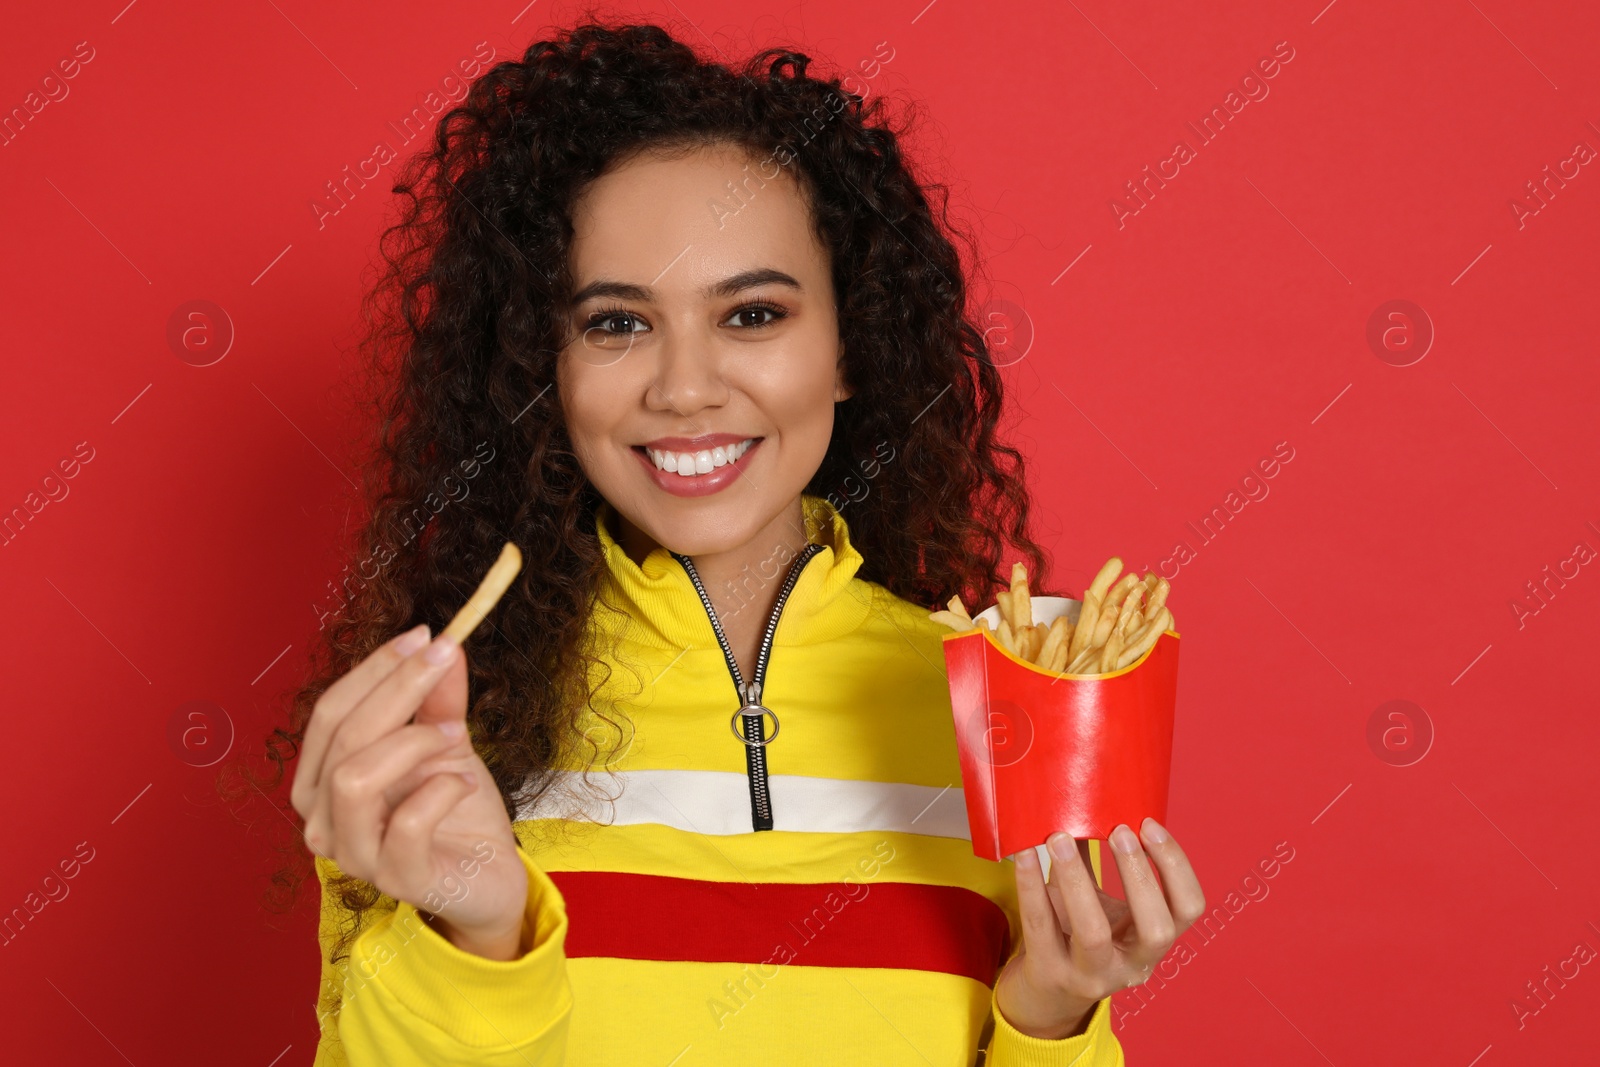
(813, 924)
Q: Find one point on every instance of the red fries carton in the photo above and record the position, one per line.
(1043, 751)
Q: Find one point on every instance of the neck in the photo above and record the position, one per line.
(742, 581)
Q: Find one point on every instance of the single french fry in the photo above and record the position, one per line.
(1128, 615)
(494, 585)
(1035, 640)
(1007, 637)
(1056, 636)
(1102, 581)
(1145, 638)
(1021, 603)
(1103, 625)
(1003, 600)
(1119, 592)
(1109, 654)
(958, 623)
(1157, 598)
(958, 608)
(1083, 632)
(1058, 662)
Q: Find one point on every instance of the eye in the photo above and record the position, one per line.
(745, 313)
(614, 322)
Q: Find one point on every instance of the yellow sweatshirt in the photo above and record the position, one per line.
(813, 900)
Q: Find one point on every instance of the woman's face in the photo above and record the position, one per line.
(699, 386)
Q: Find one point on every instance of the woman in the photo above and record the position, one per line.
(693, 340)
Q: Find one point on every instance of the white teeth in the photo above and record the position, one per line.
(688, 464)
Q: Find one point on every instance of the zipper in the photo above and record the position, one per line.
(751, 709)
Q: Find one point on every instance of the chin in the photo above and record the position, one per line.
(703, 526)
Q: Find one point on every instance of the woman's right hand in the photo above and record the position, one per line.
(392, 791)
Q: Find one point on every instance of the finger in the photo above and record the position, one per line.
(353, 806)
(394, 700)
(337, 700)
(1089, 931)
(1185, 899)
(1041, 930)
(1154, 927)
(395, 763)
(407, 846)
(447, 701)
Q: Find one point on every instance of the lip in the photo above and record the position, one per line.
(698, 484)
(704, 443)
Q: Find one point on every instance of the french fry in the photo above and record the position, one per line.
(1145, 638)
(1157, 598)
(958, 608)
(494, 585)
(1006, 637)
(1059, 661)
(1109, 654)
(1002, 600)
(1081, 663)
(1057, 636)
(1103, 624)
(1119, 592)
(958, 623)
(1128, 615)
(1102, 581)
(1083, 632)
(1021, 605)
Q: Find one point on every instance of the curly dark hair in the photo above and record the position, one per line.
(467, 318)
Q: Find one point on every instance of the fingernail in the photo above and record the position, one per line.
(1123, 841)
(1062, 847)
(1153, 831)
(452, 727)
(1026, 858)
(412, 640)
(443, 647)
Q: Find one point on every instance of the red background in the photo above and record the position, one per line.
(1226, 316)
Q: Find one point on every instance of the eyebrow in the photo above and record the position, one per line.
(729, 286)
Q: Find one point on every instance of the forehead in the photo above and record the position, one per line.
(679, 222)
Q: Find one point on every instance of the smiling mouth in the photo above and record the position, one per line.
(690, 464)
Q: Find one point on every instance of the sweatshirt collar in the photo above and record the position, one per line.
(657, 601)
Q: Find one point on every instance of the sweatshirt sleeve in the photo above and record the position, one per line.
(1097, 1046)
(407, 997)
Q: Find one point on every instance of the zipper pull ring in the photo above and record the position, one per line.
(750, 694)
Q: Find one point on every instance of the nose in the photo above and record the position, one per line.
(687, 375)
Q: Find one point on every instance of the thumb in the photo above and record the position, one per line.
(447, 700)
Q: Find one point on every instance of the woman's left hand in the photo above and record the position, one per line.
(1080, 944)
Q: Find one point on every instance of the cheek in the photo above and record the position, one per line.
(592, 400)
